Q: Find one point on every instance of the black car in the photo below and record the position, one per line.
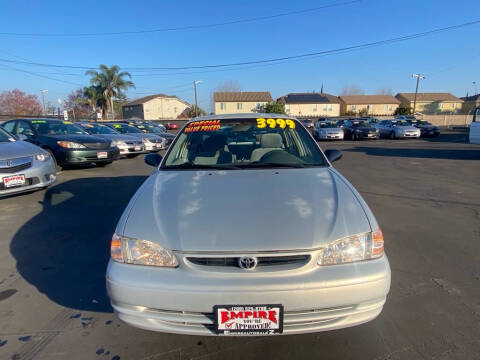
(68, 144)
(360, 129)
(426, 129)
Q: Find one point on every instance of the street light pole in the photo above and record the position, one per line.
(195, 82)
(418, 76)
(43, 100)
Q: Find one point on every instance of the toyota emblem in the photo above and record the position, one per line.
(247, 262)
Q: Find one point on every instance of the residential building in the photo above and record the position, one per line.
(311, 104)
(368, 104)
(240, 101)
(431, 103)
(470, 103)
(154, 107)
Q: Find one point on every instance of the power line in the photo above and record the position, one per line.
(42, 76)
(189, 27)
(266, 61)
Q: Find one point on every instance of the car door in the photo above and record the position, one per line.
(26, 132)
(10, 126)
(474, 133)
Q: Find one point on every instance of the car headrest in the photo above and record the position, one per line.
(271, 141)
(214, 143)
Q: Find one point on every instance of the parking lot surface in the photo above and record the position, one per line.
(54, 247)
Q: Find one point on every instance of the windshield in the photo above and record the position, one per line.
(5, 136)
(400, 123)
(126, 129)
(244, 143)
(422, 122)
(95, 129)
(324, 124)
(362, 123)
(150, 128)
(45, 127)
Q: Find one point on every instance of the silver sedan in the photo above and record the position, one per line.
(245, 228)
(328, 130)
(397, 129)
(23, 166)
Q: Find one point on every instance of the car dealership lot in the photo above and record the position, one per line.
(54, 246)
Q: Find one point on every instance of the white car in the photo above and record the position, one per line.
(474, 133)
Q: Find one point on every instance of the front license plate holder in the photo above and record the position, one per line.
(13, 180)
(102, 155)
(248, 319)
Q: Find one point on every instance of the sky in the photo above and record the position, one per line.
(450, 60)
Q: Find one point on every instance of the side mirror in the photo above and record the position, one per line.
(153, 159)
(333, 155)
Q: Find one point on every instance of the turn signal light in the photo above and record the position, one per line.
(377, 243)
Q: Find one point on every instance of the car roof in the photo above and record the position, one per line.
(242, 116)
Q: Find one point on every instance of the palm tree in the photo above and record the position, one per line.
(111, 82)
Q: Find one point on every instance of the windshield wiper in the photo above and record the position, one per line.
(258, 164)
(190, 165)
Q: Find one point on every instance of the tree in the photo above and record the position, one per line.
(403, 110)
(385, 91)
(16, 102)
(77, 103)
(275, 107)
(352, 90)
(194, 111)
(363, 112)
(112, 82)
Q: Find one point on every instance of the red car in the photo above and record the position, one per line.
(172, 126)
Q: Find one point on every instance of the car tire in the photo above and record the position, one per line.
(354, 136)
(392, 135)
(58, 168)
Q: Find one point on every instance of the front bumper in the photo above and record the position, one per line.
(364, 135)
(38, 176)
(181, 300)
(85, 156)
(331, 136)
(402, 135)
(131, 149)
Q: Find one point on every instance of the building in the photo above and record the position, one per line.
(240, 101)
(311, 104)
(470, 103)
(368, 104)
(154, 107)
(431, 103)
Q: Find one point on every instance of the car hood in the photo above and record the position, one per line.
(118, 137)
(17, 149)
(78, 138)
(409, 128)
(245, 210)
(366, 128)
(144, 135)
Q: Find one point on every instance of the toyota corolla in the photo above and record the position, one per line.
(246, 228)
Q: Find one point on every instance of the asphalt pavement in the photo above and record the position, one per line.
(54, 247)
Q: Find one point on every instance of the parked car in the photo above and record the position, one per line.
(68, 144)
(129, 146)
(327, 130)
(341, 123)
(241, 231)
(397, 129)
(474, 131)
(360, 129)
(152, 142)
(23, 166)
(406, 117)
(308, 123)
(157, 130)
(172, 126)
(426, 129)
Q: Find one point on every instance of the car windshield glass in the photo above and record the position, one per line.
(327, 125)
(95, 129)
(45, 127)
(5, 136)
(150, 128)
(126, 129)
(400, 123)
(360, 123)
(243, 143)
(422, 122)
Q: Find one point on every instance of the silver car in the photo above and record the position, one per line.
(245, 228)
(152, 142)
(327, 130)
(129, 146)
(397, 129)
(23, 166)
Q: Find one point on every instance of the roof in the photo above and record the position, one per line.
(429, 97)
(242, 116)
(309, 98)
(368, 99)
(236, 96)
(471, 98)
(145, 99)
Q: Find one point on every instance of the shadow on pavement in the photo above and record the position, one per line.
(64, 250)
(449, 137)
(426, 153)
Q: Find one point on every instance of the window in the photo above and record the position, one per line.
(24, 128)
(369, 107)
(353, 107)
(315, 108)
(223, 106)
(175, 109)
(329, 107)
(239, 106)
(9, 126)
(387, 107)
(440, 106)
(454, 105)
(287, 108)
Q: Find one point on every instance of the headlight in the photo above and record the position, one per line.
(118, 143)
(70, 145)
(146, 141)
(42, 157)
(141, 252)
(353, 248)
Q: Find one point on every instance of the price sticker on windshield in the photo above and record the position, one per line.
(205, 125)
(67, 122)
(262, 123)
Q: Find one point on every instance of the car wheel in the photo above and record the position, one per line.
(354, 136)
(392, 135)
(58, 168)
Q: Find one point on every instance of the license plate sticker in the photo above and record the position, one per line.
(14, 180)
(102, 155)
(248, 319)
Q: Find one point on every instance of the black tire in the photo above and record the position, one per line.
(354, 136)
(392, 135)
(103, 164)
(58, 168)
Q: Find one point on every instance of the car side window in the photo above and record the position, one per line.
(10, 126)
(24, 128)
(476, 115)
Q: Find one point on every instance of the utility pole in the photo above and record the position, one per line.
(195, 83)
(43, 100)
(418, 76)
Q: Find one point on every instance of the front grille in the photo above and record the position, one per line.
(10, 166)
(97, 145)
(262, 260)
(15, 169)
